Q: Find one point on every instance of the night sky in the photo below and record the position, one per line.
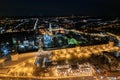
(59, 7)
